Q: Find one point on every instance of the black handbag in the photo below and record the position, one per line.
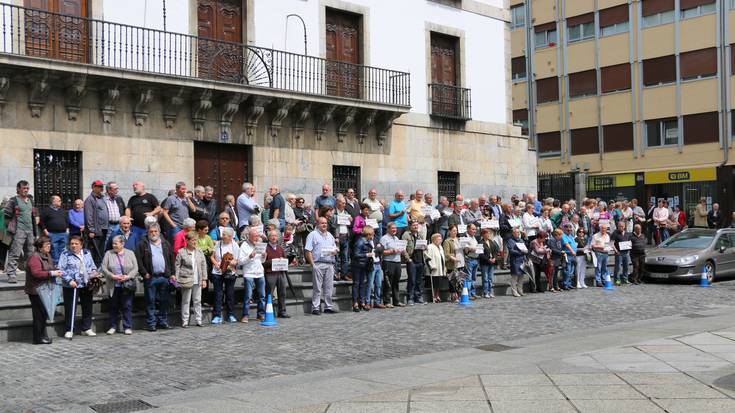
(130, 285)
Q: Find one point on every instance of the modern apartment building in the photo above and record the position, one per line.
(634, 97)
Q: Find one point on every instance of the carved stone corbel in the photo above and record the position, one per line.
(322, 115)
(383, 125)
(298, 115)
(38, 94)
(227, 110)
(109, 102)
(143, 98)
(344, 119)
(277, 112)
(255, 109)
(172, 102)
(200, 105)
(4, 87)
(73, 94)
(366, 119)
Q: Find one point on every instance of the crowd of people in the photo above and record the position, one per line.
(187, 243)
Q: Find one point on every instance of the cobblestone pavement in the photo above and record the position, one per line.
(87, 371)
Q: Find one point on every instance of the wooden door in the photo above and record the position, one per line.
(444, 74)
(343, 54)
(224, 167)
(63, 35)
(220, 38)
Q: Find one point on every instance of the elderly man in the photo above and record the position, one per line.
(223, 222)
(247, 205)
(278, 207)
(231, 210)
(21, 219)
(622, 255)
(176, 209)
(495, 208)
(155, 263)
(442, 224)
(416, 210)
(325, 199)
(200, 207)
(251, 262)
(714, 217)
(392, 265)
(54, 223)
(397, 213)
(415, 263)
(96, 222)
(211, 206)
(125, 231)
(341, 222)
(473, 214)
(115, 209)
(352, 204)
(320, 251)
(140, 206)
(376, 210)
(457, 218)
(428, 220)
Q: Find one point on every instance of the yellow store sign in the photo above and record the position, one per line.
(602, 182)
(681, 175)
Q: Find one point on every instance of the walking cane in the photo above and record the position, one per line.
(73, 313)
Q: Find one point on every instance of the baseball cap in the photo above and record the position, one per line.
(98, 183)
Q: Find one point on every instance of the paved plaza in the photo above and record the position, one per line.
(585, 350)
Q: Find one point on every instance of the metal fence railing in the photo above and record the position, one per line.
(450, 102)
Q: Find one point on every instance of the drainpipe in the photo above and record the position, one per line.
(724, 76)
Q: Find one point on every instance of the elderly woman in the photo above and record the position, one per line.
(539, 256)
(41, 269)
(436, 261)
(581, 257)
(224, 262)
(517, 252)
(119, 265)
(362, 265)
(76, 218)
(179, 239)
(191, 273)
(454, 255)
(488, 261)
(77, 268)
(558, 256)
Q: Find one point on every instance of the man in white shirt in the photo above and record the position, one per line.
(376, 210)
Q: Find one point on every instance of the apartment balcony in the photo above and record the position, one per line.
(450, 102)
(42, 49)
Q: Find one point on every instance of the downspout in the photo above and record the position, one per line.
(724, 75)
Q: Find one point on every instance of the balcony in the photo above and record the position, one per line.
(61, 49)
(450, 102)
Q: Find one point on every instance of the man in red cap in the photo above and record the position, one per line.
(96, 222)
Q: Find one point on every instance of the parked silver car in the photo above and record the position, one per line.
(692, 252)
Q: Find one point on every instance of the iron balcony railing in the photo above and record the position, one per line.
(38, 33)
(450, 102)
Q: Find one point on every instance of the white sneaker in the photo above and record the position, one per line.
(111, 331)
(68, 335)
(128, 332)
(89, 333)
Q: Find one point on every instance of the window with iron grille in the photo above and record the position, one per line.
(345, 177)
(57, 173)
(448, 183)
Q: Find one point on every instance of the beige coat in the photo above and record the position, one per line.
(700, 216)
(185, 268)
(111, 266)
(435, 260)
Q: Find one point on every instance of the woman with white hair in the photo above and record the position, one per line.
(224, 262)
(191, 273)
(120, 268)
(180, 237)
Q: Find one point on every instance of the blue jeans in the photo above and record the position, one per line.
(569, 271)
(58, 243)
(415, 287)
(471, 265)
(342, 264)
(360, 287)
(226, 285)
(488, 274)
(259, 283)
(375, 283)
(172, 234)
(156, 287)
(281, 224)
(623, 259)
(601, 269)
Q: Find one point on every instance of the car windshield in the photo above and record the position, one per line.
(690, 240)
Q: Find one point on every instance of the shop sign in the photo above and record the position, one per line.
(682, 175)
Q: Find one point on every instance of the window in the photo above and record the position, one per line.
(547, 90)
(585, 141)
(517, 16)
(583, 83)
(549, 144)
(448, 184)
(520, 118)
(696, 8)
(344, 178)
(698, 63)
(57, 173)
(518, 68)
(659, 70)
(580, 27)
(701, 128)
(614, 20)
(614, 78)
(656, 12)
(618, 137)
(545, 35)
(662, 132)
(732, 4)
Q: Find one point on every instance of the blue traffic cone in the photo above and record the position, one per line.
(608, 283)
(704, 281)
(270, 317)
(464, 300)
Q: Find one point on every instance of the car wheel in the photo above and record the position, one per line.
(709, 271)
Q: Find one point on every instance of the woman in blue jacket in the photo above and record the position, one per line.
(517, 252)
(77, 268)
